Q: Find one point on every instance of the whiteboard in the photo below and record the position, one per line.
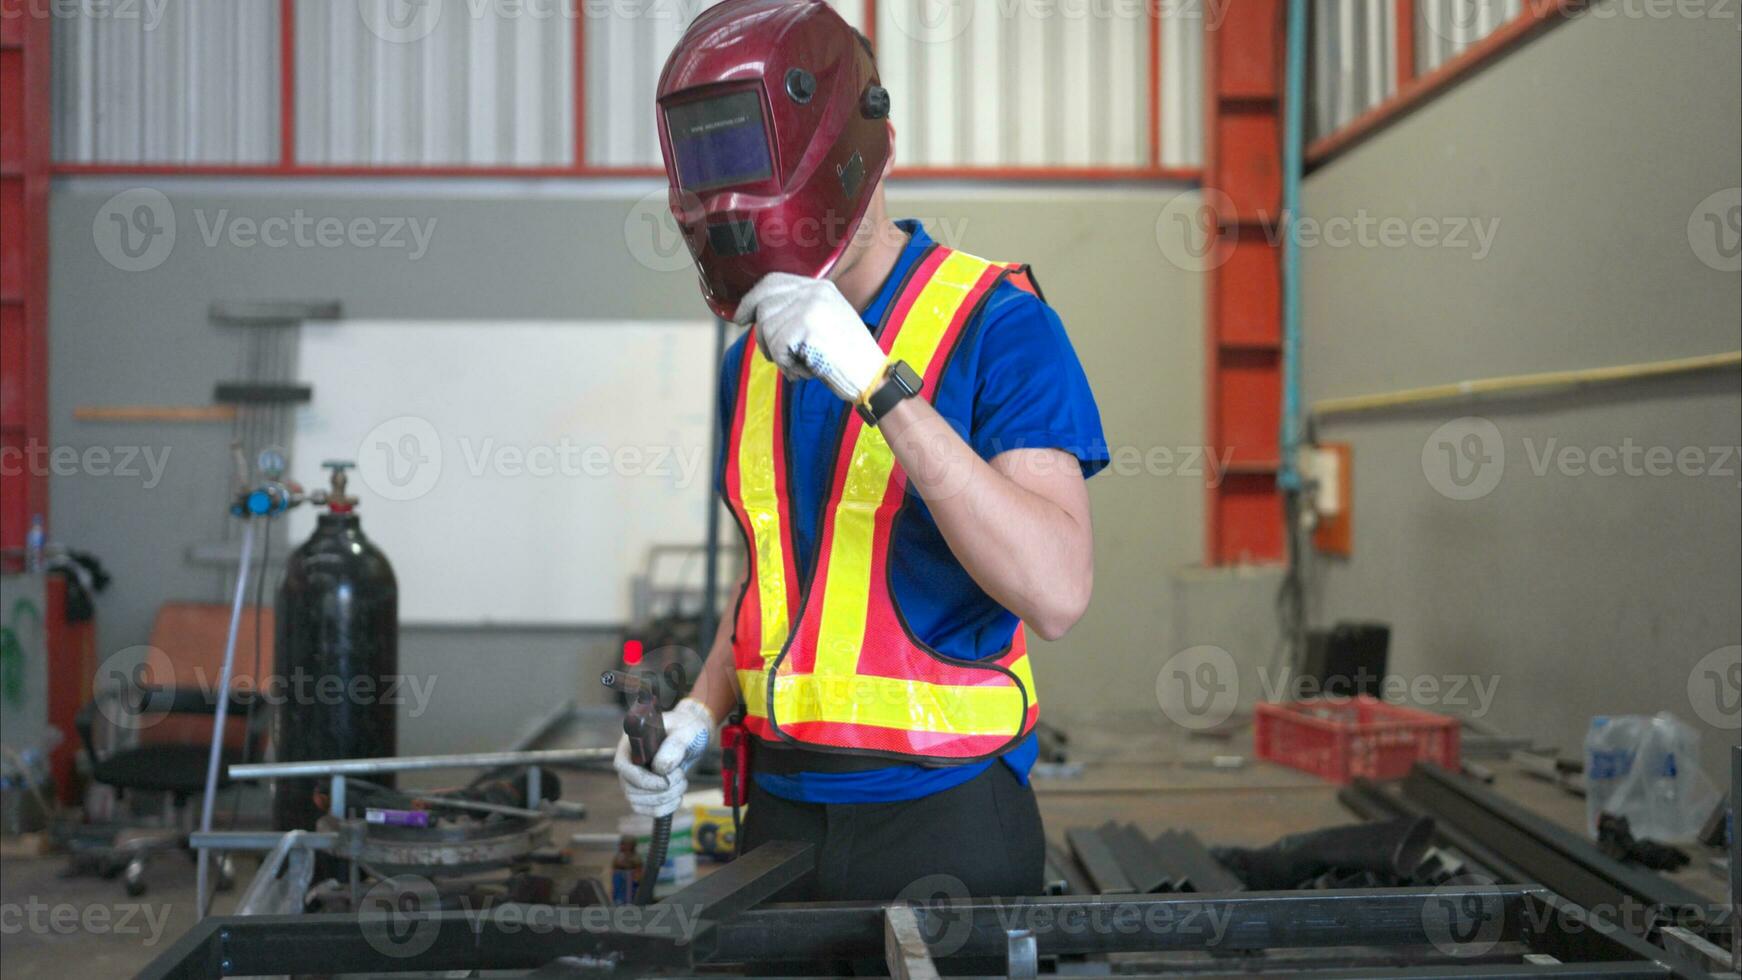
(514, 472)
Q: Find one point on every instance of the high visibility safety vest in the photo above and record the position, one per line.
(830, 663)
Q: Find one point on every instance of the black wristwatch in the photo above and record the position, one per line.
(899, 383)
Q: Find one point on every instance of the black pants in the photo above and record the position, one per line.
(981, 839)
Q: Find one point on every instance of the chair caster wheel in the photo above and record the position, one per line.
(134, 878)
(226, 873)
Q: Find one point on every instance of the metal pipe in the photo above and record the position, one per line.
(409, 763)
(1293, 148)
(262, 840)
(214, 757)
(481, 807)
(1736, 857)
(1523, 382)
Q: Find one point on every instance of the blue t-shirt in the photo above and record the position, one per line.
(1013, 383)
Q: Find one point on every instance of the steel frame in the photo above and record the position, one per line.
(721, 921)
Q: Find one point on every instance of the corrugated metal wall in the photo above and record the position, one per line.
(468, 83)
(180, 82)
(455, 83)
(1354, 49)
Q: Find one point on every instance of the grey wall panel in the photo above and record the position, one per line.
(547, 250)
(1580, 593)
(190, 81)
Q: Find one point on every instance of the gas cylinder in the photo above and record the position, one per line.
(337, 654)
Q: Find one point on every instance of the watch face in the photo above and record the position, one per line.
(906, 377)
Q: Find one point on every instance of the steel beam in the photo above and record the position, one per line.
(408, 763)
(1566, 863)
(1103, 924)
(1099, 862)
(1139, 861)
(748, 881)
(1508, 921)
(1371, 801)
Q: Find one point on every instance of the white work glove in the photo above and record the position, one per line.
(656, 790)
(809, 330)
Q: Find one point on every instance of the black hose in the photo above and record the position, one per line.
(655, 860)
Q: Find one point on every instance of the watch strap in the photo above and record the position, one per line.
(900, 382)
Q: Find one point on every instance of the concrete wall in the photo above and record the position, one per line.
(1588, 154)
(536, 250)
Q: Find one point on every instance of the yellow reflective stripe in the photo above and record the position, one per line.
(888, 702)
(756, 488)
(846, 593)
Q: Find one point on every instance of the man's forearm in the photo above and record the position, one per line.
(717, 687)
(1029, 551)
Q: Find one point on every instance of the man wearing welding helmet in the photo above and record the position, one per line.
(907, 432)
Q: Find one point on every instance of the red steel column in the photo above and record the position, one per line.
(24, 167)
(1243, 187)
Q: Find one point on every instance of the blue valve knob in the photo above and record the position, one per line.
(260, 502)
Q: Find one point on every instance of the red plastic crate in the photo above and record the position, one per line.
(1345, 739)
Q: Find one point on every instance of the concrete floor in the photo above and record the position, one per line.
(87, 927)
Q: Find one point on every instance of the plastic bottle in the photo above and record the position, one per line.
(34, 542)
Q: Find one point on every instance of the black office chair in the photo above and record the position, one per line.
(175, 769)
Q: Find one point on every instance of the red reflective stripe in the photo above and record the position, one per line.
(872, 738)
(801, 652)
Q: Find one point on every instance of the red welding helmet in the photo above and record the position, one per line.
(775, 134)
